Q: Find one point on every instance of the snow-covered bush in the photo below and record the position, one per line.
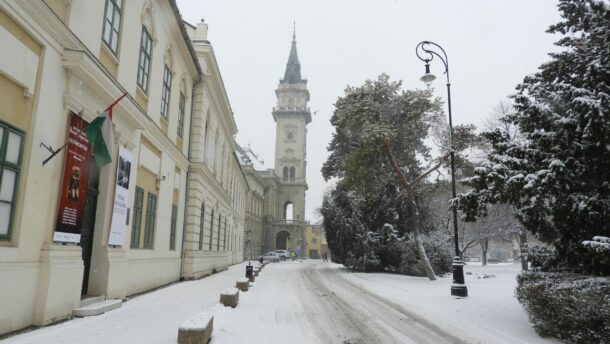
(598, 251)
(542, 258)
(598, 244)
(367, 262)
(437, 249)
(572, 307)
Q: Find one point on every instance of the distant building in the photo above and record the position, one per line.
(315, 241)
(280, 222)
(217, 188)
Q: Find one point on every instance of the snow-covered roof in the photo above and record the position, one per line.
(247, 157)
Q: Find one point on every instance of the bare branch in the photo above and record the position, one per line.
(434, 168)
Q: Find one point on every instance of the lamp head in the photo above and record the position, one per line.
(428, 78)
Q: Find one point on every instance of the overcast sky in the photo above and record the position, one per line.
(491, 46)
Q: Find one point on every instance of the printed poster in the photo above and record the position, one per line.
(121, 195)
(73, 193)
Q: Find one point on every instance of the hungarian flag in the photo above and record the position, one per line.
(99, 134)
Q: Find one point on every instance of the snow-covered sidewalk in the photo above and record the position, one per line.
(149, 318)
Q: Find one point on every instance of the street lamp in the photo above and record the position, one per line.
(427, 54)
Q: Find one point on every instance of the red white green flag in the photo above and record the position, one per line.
(99, 134)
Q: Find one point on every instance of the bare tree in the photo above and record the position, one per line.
(497, 120)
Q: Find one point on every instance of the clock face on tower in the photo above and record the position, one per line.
(290, 136)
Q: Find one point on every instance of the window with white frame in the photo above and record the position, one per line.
(181, 106)
(145, 58)
(166, 92)
(112, 24)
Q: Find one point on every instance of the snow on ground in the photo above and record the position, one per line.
(283, 306)
(149, 318)
(490, 314)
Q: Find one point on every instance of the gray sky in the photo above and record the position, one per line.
(491, 45)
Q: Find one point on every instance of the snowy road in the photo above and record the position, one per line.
(345, 313)
(312, 302)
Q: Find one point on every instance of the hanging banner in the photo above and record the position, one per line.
(121, 194)
(73, 193)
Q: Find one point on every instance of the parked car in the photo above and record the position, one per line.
(283, 254)
(271, 257)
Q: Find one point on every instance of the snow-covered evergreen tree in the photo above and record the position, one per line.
(558, 176)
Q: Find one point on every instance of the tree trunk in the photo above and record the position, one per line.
(484, 245)
(411, 210)
(421, 251)
(523, 245)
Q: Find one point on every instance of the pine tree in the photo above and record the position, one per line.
(558, 176)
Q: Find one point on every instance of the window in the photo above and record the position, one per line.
(181, 115)
(151, 215)
(218, 236)
(167, 86)
(172, 229)
(314, 240)
(224, 236)
(201, 223)
(206, 148)
(285, 174)
(211, 230)
(288, 211)
(145, 56)
(10, 165)
(292, 174)
(112, 24)
(136, 223)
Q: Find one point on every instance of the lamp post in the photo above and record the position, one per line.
(426, 51)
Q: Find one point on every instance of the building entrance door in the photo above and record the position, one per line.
(86, 237)
(280, 240)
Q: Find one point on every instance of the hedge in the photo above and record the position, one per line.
(574, 308)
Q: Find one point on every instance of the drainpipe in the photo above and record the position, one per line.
(188, 174)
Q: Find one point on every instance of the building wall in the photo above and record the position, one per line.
(254, 214)
(217, 187)
(64, 68)
(313, 239)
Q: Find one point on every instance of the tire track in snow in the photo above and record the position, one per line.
(346, 313)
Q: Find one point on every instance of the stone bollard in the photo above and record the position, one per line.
(252, 278)
(242, 284)
(197, 329)
(230, 297)
(256, 271)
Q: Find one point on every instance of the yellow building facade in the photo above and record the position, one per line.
(314, 238)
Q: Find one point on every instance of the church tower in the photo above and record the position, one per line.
(291, 116)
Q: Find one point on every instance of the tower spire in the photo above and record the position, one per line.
(292, 75)
(294, 31)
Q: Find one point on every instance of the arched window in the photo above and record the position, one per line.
(292, 174)
(285, 174)
(288, 211)
(215, 157)
(206, 139)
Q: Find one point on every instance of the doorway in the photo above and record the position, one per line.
(280, 240)
(86, 237)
